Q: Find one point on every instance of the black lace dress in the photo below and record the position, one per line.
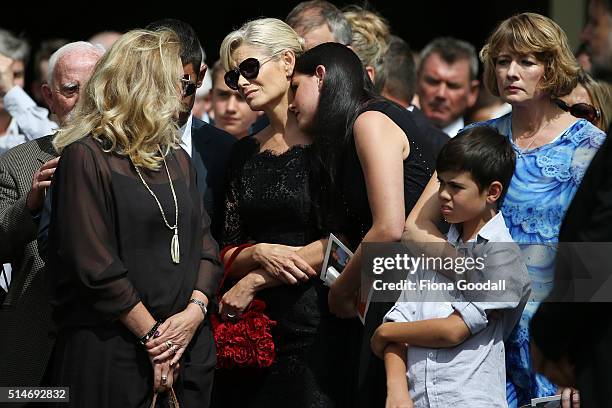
(269, 199)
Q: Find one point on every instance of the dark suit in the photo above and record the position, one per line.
(435, 135)
(211, 148)
(586, 328)
(27, 334)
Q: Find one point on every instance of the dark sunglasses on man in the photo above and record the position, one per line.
(580, 110)
(249, 69)
(189, 86)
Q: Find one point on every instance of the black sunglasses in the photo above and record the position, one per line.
(189, 86)
(249, 69)
(580, 110)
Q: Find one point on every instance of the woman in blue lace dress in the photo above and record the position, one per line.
(527, 63)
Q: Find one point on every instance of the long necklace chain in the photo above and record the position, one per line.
(526, 149)
(174, 243)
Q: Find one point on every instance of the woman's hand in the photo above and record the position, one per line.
(283, 263)
(236, 300)
(342, 304)
(175, 334)
(164, 375)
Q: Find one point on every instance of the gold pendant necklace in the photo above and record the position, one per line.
(175, 250)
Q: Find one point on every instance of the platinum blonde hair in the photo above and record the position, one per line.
(271, 35)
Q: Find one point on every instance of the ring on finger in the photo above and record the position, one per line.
(174, 348)
(164, 379)
(168, 344)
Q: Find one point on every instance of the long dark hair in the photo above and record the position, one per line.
(346, 90)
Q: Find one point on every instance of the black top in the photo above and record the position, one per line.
(270, 199)
(109, 246)
(211, 148)
(269, 196)
(418, 168)
(435, 136)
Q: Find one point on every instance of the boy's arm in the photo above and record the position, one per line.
(396, 367)
(436, 333)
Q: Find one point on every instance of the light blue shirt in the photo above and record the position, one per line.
(473, 373)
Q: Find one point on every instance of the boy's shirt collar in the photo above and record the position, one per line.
(494, 230)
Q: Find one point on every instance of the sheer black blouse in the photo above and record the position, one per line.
(109, 247)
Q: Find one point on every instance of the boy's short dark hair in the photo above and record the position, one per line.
(481, 151)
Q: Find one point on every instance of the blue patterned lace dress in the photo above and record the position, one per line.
(544, 183)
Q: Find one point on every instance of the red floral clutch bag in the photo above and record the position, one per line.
(246, 342)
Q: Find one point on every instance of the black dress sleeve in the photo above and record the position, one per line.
(84, 235)
(233, 222)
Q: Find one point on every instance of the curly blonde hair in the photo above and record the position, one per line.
(371, 39)
(530, 33)
(132, 100)
(268, 34)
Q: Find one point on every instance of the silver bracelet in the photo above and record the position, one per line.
(201, 304)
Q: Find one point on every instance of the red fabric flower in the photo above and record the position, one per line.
(247, 342)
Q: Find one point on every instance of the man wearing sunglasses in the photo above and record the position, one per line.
(208, 146)
(581, 347)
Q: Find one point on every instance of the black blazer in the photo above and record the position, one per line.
(211, 148)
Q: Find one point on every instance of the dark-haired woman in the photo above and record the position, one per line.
(375, 160)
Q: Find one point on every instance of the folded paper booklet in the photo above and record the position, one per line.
(337, 256)
(545, 402)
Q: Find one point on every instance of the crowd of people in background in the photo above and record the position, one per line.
(150, 202)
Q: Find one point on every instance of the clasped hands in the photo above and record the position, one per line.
(169, 343)
(279, 263)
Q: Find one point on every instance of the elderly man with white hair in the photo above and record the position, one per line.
(25, 173)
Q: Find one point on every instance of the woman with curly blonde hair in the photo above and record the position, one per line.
(130, 243)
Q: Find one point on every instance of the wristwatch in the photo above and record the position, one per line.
(201, 304)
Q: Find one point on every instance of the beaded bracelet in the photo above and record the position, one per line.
(143, 340)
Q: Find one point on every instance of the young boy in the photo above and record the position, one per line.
(452, 351)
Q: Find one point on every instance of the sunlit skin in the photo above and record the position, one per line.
(445, 90)
(71, 73)
(578, 95)
(269, 85)
(305, 98)
(463, 202)
(518, 77)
